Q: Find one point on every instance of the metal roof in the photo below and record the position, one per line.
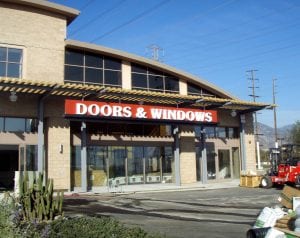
(98, 92)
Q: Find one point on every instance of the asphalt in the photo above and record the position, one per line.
(196, 210)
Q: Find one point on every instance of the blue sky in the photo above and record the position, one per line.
(216, 40)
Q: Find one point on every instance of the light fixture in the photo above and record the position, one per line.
(13, 96)
(233, 113)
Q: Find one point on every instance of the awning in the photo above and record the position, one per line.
(98, 92)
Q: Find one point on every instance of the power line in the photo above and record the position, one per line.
(97, 17)
(226, 29)
(86, 5)
(215, 45)
(139, 16)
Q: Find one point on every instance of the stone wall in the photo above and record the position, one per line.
(187, 155)
(40, 34)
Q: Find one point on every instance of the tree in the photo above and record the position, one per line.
(295, 133)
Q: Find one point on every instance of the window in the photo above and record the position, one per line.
(14, 124)
(85, 67)
(153, 80)
(218, 132)
(11, 61)
(196, 90)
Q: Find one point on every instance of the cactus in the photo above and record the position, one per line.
(37, 200)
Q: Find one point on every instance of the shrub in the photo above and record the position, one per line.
(91, 227)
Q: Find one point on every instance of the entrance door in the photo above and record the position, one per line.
(153, 164)
(8, 165)
(117, 156)
(236, 163)
(224, 170)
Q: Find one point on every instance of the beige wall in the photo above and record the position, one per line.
(40, 34)
(250, 143)
(187, 155)
(126, 75)
(58, 161)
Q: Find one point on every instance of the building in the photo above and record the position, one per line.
(92, 117)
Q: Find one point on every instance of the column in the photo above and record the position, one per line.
(83, 157)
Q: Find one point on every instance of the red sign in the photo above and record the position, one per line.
(133, 111)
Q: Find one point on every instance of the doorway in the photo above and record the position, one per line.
(9, 163)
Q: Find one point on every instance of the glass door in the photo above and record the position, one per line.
(96, 166)
(211, 161)
(135, 165)
(224, 170)
(236, 162)
(153, 163)
(117, 156)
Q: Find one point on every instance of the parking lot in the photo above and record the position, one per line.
(227, 212)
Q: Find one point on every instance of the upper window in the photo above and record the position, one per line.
(11, 60)
(196, 90)
(85, 67)
(153, 80)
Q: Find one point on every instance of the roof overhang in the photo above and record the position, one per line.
(111, 94)
(69, 13)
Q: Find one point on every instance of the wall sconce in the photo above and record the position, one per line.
(233, 113)
(61, 148)
(13, 96)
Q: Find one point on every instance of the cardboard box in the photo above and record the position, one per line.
(287, 194)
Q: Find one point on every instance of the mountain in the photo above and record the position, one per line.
(266, 136)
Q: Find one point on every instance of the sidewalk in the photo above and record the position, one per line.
(154, 188)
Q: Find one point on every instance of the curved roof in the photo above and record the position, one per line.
(69, 13)
(151, 63)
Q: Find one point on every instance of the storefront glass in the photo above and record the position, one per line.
(135, 165)
(76, 166)
(153, 161)
(114, 166)
(224, 164)
(96, 166)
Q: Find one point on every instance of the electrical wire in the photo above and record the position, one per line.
(138, 17)
(88, 23)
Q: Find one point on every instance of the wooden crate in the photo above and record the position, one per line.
(243, 180)
(253, 181)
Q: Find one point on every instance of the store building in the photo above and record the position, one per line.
(94, 117)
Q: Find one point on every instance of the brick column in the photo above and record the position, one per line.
(187, 155)
(58, 152)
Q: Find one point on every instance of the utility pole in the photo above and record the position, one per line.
(254, 96)
(274, 111)
(155, 49)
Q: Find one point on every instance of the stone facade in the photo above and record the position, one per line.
(58, 150)
(41, 36)
(187, 155)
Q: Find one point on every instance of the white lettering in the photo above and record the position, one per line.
(208, 117)
(190, 116)
(81, 108)
(199, 116)
(93, 110)
(180, 115)
(172, 115)
(127, 112)
(156, 113)
(106, 110)
(117, 111)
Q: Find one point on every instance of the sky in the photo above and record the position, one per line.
(219, 41)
